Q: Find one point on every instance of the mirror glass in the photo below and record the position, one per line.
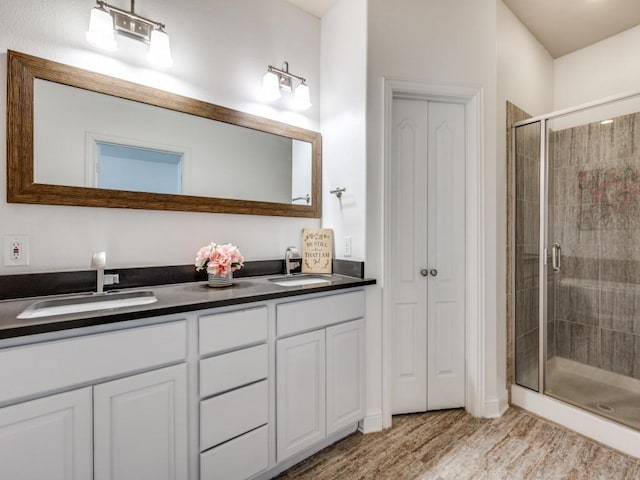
(80, 138)
(89, 139)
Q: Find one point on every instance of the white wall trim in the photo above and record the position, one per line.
(494, 408)
(593, 426)
(475, 333)
(371, 423)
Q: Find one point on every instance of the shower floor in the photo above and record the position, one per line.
(608, 394)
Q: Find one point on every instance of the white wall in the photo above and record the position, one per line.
(525, 78)
(441, 43)
(221, 49)
(606, 68)
(343, 119)
(344, 78)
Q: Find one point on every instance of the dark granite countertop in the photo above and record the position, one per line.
(172, 299)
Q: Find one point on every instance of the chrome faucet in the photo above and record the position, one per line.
(99, 262)
(290, 256)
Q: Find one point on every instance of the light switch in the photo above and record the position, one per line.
(347, 246)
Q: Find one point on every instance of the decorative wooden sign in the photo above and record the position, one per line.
(317, 250)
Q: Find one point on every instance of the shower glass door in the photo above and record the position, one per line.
(593, 268)
(526, 332)
(576, 279)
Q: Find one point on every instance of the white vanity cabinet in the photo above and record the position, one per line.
(132, 427)
(300, 392)
(48, 438)
(234, 392)
(140, 427)
(319, 373)
(345, 374)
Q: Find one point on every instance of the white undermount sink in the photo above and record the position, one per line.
(299, 280)
(87, 303)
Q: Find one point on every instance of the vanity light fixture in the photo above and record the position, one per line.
(277, 79)
(106, 20)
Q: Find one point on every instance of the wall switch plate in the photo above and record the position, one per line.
(347, 246)
(16, 250)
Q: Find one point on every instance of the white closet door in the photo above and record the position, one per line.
(408, 217)
(446, 254)
(427, 255)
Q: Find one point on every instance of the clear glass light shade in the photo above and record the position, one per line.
(100, 33)
(160, 49)
(302, 97)
(270, 86)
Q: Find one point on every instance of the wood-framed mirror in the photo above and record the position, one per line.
(76, 137)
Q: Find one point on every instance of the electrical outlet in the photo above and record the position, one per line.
(347, 246)
(16, 250)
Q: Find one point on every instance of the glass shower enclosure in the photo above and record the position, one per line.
(576, 278)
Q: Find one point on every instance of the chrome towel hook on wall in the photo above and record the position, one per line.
(338, 191)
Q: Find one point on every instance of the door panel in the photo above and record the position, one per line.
(446, 248)
(408, 255)
(345, 375)
(300, 389)
(47, 438)
(427, 221)
(141, 426)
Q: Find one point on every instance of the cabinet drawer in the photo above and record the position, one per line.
(232, 414)
(224, 331)
(33, 369)
(319, 312)
(232, 370)
(238, 459)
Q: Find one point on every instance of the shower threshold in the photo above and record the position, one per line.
(608, 394)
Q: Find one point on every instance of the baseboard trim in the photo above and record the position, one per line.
(496, 407)
(371, 423)
(590, 425)
(298, 457)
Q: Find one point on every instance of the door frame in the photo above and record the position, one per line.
(472, 99)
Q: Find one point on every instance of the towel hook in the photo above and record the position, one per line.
(338, 191)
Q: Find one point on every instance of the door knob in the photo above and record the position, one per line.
(433, 272)
(424, 272)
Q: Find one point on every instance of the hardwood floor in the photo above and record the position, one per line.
(451, 444)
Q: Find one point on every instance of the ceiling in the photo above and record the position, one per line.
(315, 7)
(564, 26)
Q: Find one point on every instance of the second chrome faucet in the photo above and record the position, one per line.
(292, 259)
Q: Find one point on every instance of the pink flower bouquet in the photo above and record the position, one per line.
(219, 259)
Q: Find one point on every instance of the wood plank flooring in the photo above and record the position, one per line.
(451, 444)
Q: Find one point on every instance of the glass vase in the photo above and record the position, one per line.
(216, 280)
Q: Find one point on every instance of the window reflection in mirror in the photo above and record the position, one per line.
(138, 169)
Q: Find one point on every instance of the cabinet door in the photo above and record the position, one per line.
(140, 426)
(300, 390)
(345, 375)
(48, 438)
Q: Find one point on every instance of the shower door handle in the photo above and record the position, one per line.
(555, 257)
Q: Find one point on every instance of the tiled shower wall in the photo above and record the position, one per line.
(595, 209)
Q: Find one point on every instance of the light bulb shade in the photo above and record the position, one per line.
(271, 86)
(302, 97)
(100, 33)
(160, 49)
